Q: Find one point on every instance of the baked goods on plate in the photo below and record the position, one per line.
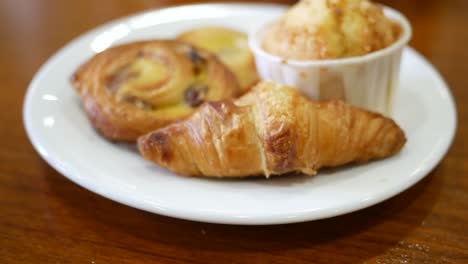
(230, 46)
(271, 130)
(132, 89)
(62, 135)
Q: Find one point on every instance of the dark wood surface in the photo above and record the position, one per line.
(44, 218)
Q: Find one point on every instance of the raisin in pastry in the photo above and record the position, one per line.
(135, 88)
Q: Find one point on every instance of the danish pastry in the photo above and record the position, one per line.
(132, 89)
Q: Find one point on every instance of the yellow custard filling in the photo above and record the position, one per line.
(230, 46)
(145, 75)
(168, 84)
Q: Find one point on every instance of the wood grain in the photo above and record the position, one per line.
(44, 218)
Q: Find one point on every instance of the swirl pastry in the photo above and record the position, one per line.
(271, 130)
(132, 89)
(231, 47)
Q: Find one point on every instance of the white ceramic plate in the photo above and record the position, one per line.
(61, 133)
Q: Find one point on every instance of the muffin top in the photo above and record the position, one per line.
(330, 29)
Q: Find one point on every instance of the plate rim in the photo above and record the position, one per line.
(222, 218)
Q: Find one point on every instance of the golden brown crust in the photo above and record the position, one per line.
(231, 47)
(330, 29)
(132, 89)
(271, 130)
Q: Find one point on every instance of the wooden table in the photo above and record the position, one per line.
(44, 218)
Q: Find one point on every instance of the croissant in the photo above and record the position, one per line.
(132, 89)
(231, 47)
(271, 130)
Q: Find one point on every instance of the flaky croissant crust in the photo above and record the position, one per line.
(271, 130)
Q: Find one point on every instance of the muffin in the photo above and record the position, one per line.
(335, 49)
(331, 29)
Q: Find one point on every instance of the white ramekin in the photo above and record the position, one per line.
(367, 81)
